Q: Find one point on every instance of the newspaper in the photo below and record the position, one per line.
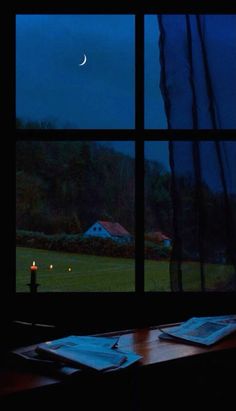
(97, 353)
(69, 355)
(202, 330)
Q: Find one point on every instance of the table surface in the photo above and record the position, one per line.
(143, 341)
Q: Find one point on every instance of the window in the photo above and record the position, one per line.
(108, 203)
(75, 72)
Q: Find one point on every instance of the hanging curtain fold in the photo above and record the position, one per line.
(204, 215)
(198, 70)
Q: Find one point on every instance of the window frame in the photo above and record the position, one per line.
(130, 309)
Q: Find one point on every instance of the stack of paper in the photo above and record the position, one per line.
(97, 353)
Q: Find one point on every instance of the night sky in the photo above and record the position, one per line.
(154, 108)
(219, 33)
(50, 84)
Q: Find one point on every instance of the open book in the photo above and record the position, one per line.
(201, 330)
(97, 353)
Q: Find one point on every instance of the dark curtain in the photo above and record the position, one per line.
(204, 215)
(198, 70)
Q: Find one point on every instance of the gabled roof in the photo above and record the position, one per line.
(114, 228)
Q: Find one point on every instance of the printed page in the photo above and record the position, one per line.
(204, 330)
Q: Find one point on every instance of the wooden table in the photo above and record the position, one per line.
(155, 352)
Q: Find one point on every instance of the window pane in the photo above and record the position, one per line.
(195, 226)
(205, 187)
(75, 215)
(75, 71)
(197, 56)
(158, 216)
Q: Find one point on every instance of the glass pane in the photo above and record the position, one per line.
(75, 71)
(197, 56)
(207, 213)
(75, 215)
(158, 216)
(202, 211)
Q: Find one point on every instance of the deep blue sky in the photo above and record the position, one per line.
(154, 108)
(219, 33)
(51, 85)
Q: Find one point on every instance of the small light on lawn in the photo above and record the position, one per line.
(51, 266)
(69, 269)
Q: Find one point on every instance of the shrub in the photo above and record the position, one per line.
(155, 251)
(76, 243)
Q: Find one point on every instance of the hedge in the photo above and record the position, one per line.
(76, 243)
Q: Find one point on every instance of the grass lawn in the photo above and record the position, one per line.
(95, 273)
(88, 272)
(157, 276)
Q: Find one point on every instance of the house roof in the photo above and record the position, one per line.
(158, 235)
(114, 228)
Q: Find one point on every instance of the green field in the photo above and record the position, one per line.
(95, 273)
(216, 275)
(88, 272)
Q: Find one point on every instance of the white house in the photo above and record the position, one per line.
(106, 229)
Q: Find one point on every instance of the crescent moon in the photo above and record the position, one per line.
(84, 61)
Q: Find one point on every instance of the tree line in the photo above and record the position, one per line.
(65, 186)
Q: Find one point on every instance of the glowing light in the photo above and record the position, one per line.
(34, 266)
(69, 269)
(51, 266)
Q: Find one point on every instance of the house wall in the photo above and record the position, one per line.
(167, 243)
(96, 230)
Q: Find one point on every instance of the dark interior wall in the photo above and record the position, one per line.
(106, 312)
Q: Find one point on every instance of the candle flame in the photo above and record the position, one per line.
(34, 266)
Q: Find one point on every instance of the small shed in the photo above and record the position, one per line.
(159, 237)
